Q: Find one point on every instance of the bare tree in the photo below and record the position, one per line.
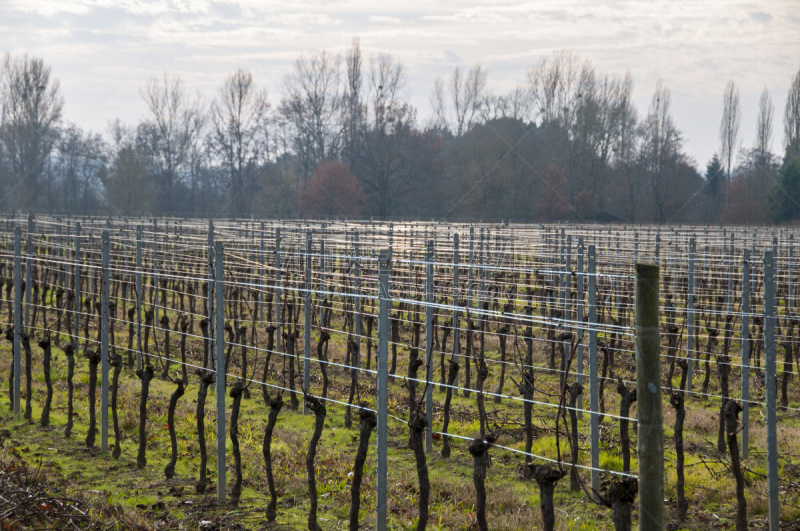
(387, 83)
(516, 105)
(626, 148)
(791, 118)
(438, 101)
(611, 121)
(354, 107)
(729, 126)
(761, 161)
(514, 109)
(313, 105)
(197, 156)
(544, 82)
(80, 164)
(660, 148)
(280, 173)
(126, 188)
(583, 112)
(31, 115)
(237, 116)
(590, 125)
(553, 83)
(120, 135)
(614, 109)
(766, 112)
(169, 132)
(466, 95)
(385, 151)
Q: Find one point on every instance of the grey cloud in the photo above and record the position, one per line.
(380, 19)
(228, 11)
(94, 44)
(760, 16)
(451, 57)
(709, 64)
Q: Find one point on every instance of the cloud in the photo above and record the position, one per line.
(760, 16)
(96, 45)
(49, 7)
(451, 57)
(380, 19)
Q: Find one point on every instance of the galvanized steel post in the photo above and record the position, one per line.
(771, 390)
(357, 303)
(139, 360)
(17, 320)
(594, 401)
(28, 273)
(219, 290)
(104, 342)
(745, 352)
(77, 276)
(278, 291)
(429, 345)
(690, 315)
(579, 320)
(456, 293)
(307, 322)
(384, 303)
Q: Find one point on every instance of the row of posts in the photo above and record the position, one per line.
(216, 324)
(217, 258)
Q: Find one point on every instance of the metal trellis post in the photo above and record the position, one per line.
(690, 315)
(357, 288)
(429, 345)
(384, 302)
(139, 360)
(77, 283)
(456, 292)
(745, 352)
(28, 273)
(594, 401)
(220, 348)
(17, 319)
(260, 302)
(771, 390)
(104, 343)
(155, 283)
(579, 328)
(278, 293)
(307, 323)
(210, 293)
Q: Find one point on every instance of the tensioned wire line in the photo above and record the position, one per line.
(154, 327)
(338, 402)
(478, 312)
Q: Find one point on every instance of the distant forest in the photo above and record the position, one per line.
(342, 140)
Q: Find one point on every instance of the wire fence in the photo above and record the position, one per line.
(544, 305)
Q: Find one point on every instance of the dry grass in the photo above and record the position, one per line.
(513, 504)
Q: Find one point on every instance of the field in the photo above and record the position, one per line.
(297, 305)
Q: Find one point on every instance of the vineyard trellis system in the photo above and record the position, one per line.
(558, 300)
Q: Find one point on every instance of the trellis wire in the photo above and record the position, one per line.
(517, 251)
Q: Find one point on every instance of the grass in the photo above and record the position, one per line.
(512, 502)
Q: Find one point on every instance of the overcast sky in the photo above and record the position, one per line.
(102, 51)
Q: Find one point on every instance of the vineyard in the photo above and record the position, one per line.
(169, 373)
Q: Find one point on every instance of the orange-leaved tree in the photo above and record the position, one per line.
(332, 191)
(553, 204)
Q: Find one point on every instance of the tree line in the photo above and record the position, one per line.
(342, 140)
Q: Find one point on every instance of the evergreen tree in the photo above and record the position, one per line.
(792, 150)
(715, 178)
(784, 197)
